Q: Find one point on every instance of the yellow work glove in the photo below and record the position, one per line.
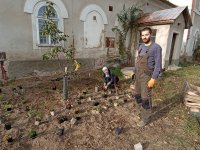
(151, 83)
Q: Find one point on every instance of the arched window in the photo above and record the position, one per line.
(40, 22)
(36, 9)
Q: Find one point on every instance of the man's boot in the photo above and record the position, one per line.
(145, 113)
(146, 104)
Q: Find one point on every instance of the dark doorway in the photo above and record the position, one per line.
(172, 48)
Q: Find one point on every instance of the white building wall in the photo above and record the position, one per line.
(177, 27)
(162, 35)
(194, 29)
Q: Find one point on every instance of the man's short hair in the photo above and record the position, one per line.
(146, 29)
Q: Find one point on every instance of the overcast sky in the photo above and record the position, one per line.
(182, 2)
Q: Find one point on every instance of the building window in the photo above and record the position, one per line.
(36, 9)
(110, 8)
(94, 18)
(46, 40)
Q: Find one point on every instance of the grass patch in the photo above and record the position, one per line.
(22, 101)
(192, 126)
(172, 82)
(34, 113)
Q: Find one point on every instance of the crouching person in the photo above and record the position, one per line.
(110, 80)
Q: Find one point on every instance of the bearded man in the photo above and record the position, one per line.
(147, 69)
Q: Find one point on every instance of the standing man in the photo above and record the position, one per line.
(147, 68)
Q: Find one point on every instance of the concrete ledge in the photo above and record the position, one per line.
(18, 69)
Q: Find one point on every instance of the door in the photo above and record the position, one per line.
(172, 48)
(93, 30)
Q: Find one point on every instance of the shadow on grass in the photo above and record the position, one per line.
(165, 107)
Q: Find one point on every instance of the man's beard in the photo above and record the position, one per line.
(146, 41)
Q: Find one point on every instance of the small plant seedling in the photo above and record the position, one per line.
(32, 134)
(22, 101)
(33, 113)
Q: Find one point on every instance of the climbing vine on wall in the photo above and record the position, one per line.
(128, 23)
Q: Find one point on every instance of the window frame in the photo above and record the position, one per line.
(38, 27)
(35, 24)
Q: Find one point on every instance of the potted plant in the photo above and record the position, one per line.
(7, 126)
